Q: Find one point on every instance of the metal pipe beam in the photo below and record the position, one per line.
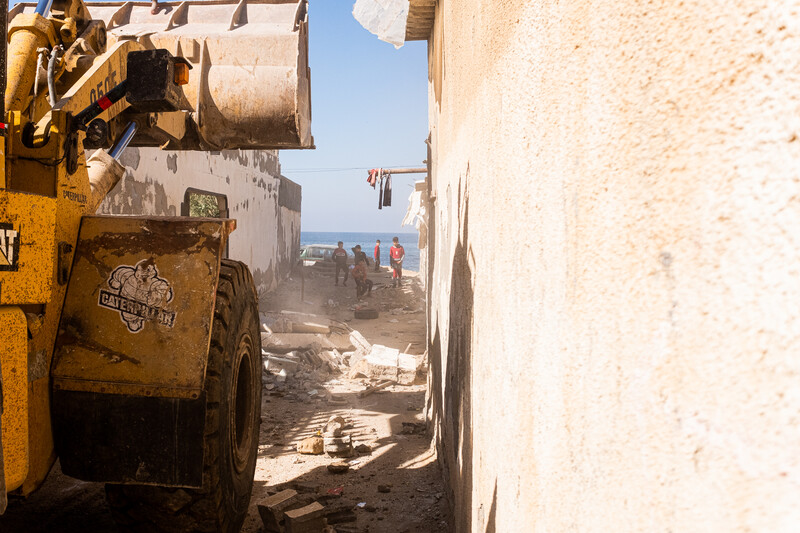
(420, 170)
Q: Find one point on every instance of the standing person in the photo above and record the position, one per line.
(363, 285)
(396, 255)
(340, 258)
(377, 255)
(358, 255)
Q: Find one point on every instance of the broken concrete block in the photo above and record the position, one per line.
(334, 426)
(386, 363)
(339, 446)
(310, 327)
(308, 519)
(287, 342)
(311, 446)
(272, 510)
(275, 364)
(340, 513)
(364, 449)
(338, 468)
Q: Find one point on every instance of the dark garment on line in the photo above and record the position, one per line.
(387, 190)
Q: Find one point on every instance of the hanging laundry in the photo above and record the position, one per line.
(387, 190)
(372, 178)
(380, 188)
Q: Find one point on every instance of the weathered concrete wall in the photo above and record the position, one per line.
(615, 296)
(265, 205)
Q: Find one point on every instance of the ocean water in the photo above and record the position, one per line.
(367, 242)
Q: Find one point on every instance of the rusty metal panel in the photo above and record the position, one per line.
(250, 85)
(27, 247)
(139, 306)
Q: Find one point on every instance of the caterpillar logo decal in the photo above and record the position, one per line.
(139, 295)
(9, 247)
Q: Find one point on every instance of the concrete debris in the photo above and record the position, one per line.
(311, 446)
(272, 362)
(334, 427)
(340, 514)
(339, 446)
(338, 468)
(273, 508)
(364, 449)
(375, 388)
(386, 364)
(287, 342)
(413, 428)
(308, 519)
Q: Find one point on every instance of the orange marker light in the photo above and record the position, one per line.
(181, 73)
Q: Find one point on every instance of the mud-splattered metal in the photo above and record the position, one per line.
(139, 306)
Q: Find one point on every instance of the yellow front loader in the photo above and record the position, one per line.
(130, 347)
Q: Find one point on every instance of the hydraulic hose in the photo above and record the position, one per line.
(51, 73)
(43, 7)
(124, 140)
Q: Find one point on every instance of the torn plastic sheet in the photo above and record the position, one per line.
(384, 18)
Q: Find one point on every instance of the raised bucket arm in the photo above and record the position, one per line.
(250, 85)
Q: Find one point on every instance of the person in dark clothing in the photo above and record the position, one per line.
(358, 255)
(340, 259)
(363, 285)
(377, 255)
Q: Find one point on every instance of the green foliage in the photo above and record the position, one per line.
(203, 205)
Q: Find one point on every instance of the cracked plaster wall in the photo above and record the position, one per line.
(615, 266)
(267, 235)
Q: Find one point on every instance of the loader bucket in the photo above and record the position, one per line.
(250, 83)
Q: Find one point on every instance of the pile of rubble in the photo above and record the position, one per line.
(302, 355)
(301, 351)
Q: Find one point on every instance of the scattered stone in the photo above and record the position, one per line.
(338, 468)
(336, 400)
(413, 428)
(370, 508)
(363, 449)
(273, 508)
(384, 363)
(308, 519)
(334, 426)
(340, 514)
(339, 446)
(311, 446)
(385, 488)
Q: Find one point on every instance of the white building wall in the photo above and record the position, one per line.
(267, 235)
(615, 288)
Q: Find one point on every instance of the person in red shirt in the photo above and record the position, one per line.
(396, 255)
(340, 258)
(377, 255)
(363, 285)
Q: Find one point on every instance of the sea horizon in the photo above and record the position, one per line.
(409, 241)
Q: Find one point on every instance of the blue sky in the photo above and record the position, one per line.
(369, 109)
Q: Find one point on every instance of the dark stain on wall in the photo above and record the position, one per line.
(290, 194)
(452, 397)
(130, 197)
(130, 157)
(172, 163)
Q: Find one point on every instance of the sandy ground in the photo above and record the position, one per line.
(400, 462)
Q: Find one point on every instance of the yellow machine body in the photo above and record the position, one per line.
(154, 363)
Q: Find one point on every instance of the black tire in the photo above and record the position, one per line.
(366, 314)
(233, 415)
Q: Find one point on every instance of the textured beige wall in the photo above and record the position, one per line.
(267, 235)
(615, 296)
